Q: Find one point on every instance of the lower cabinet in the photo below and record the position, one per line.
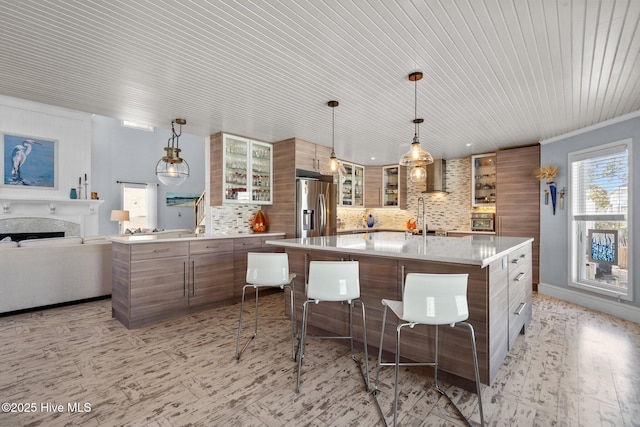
(211, 271)
(156, 281)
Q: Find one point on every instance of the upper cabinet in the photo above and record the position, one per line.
(310, 156)
(391, 186)
(351, 185)
(483, 180)
(241, 170)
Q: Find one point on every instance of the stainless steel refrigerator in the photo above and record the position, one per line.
(315, 208)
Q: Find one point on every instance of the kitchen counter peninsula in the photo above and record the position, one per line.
(499, 292)
(164, 275)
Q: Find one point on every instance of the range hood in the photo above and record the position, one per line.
(436, 177)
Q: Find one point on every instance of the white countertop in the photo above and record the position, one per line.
(475, 250)
(182, 237)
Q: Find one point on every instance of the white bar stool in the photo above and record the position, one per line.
(429, 299)
(267, 270)
(337, 281)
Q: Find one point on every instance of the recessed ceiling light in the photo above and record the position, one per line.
(469, 144)
(373, 158)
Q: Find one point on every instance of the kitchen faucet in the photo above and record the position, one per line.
(424, 219)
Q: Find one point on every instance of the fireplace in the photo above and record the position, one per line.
(17, 237)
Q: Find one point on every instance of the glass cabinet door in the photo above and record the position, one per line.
(346, 185)
(261, 172)
(483, 180)
(390, 188)
(358, 185)
(247, 168)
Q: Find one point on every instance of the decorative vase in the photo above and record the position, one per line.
(370, 221)
(73, 194)
(552, 190)
(259, 222)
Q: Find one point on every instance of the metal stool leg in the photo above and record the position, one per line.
(238, 351)
(303, 335)
(293, 318)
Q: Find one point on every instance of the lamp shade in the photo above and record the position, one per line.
(120, 216)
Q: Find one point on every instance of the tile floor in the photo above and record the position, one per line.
(574, 367)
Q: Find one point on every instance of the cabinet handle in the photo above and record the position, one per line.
(519, 277)
(516, 261)
(184, 279)
(212, 247)
(193, 277)
(520, 308)
(155, 251)
(402, 271)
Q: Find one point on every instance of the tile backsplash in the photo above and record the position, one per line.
(450, 211)
(229, 219)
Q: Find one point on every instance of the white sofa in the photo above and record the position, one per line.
(42, 272)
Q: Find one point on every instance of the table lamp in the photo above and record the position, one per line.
(120, 216)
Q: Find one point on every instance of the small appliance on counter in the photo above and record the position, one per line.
(482, 221)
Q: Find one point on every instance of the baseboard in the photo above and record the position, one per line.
(614, 308)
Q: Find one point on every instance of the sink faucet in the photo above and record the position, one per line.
(424, 219)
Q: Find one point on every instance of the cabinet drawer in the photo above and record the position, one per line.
(159, 250)
(520, 256)
(246, 243)
(212, 245)
(519, 301)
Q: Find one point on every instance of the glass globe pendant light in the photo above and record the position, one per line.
(171, 169)
(333, 166)
(416, 156)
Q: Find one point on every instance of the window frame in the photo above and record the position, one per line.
(573, 229)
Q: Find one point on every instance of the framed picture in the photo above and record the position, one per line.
(603, 246)
(28, 162)
(182, 199)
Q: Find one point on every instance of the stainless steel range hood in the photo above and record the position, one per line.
(436, 177)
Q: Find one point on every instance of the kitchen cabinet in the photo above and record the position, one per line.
(211, 271)
(391, 186)
(158, 279)
(483, 180)
(310, 157)
(351, 185)
(162, 280)
(373, 187)
(240, 170)
(518, 202)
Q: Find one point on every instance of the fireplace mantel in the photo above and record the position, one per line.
(80, 211)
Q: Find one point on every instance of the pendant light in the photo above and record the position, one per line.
(416, 156)
(333, 166)
(171, 169)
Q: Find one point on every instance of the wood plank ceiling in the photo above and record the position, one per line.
(496, 73)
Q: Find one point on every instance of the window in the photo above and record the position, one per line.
(141, 202)
(600, 217)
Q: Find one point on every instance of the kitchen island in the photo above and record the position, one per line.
(160, 276)
(499, 292)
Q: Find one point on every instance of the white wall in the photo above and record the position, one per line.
(125, 154)
(72, 130)
(104, 150)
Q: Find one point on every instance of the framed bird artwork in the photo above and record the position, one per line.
(28, 162)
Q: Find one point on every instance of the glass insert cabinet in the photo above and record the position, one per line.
(390, 186)
(483, 180)
(351, 185)
(247, 171)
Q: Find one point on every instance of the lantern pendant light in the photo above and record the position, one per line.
(416, 156)
(333, 166)
(171, 169)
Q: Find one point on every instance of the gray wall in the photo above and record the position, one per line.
(125, 154)
(554, 243)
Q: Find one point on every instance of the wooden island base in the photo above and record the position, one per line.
(499, 297)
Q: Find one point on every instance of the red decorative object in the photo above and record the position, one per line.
(259, 222)
(411, 224)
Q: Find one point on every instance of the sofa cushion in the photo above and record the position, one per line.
(8, 244)
(55, 241)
